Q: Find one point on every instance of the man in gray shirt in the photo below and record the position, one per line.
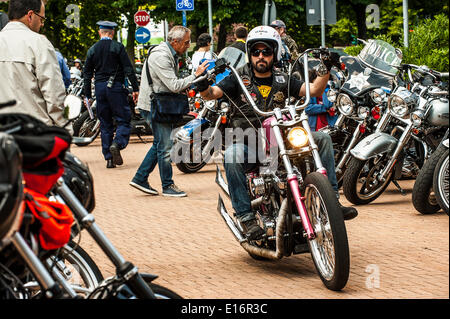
(163, 65)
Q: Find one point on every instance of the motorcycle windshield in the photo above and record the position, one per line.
(372, 68)
(234, 56)
(380, 56)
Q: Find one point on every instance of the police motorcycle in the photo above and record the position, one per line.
(292, 198)
(197, 141)
(416, 122)
(441, 179)
(360, 90)
(33, 261)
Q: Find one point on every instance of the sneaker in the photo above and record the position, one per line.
(145, 187)
(251, 229)
(348, 212)
(115, 152)
(173, 191)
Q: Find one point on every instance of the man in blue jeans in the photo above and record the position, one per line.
(162, 65)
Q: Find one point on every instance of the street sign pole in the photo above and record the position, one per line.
(210, 25)
(322, 22)
(184, 18)
(405, 24)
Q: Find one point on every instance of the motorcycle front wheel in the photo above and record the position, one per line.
(360, 183)
(441, 182)
(329, 249)
(190, 165)
(160, 291)
(78, 269)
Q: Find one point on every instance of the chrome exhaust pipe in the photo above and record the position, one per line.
(221, 182)
(262, 252)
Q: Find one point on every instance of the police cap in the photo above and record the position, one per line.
(107, 25)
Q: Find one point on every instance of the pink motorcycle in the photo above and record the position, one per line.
(291, 196)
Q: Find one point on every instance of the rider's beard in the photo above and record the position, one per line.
(262, 66)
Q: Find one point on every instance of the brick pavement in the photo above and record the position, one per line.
(395, 252)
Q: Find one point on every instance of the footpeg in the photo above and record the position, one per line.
(402, 191)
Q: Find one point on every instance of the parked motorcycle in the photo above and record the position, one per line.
(419, 117)
(295, 203)
(30, 269)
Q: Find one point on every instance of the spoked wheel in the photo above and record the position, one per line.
(441, 182)
(192, 163)
(78, 269)
(361, 184)
(329, 249)
(86, 127)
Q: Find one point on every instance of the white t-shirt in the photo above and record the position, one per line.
(198, 56)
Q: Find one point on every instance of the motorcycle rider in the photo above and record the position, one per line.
(266, 84)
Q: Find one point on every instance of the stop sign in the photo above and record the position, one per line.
(141, 18)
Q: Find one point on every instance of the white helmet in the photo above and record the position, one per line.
(267, 35)
(75, 73)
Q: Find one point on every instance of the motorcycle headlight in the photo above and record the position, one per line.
(345, 104)
(401, 101)
(211, 105)
(298, 137)
(363, 112)
(378, 95)
(331, 95)
(416, 118)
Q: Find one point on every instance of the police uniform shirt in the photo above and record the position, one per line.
(106, 58)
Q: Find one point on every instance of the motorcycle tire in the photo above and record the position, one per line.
(160, 291)
(423, 196)
(329, 249)
(351, 180)
(88, 275)
(83, 126)
(190, 167)
(441, 182)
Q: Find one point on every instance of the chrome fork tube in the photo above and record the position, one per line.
(211, 138)
(401, 143)
(346, 155)
(33, 262)
(320, 168)
(339, 120)
(384, 121)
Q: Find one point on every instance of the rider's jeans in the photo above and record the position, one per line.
(236, 165)
(159, 153)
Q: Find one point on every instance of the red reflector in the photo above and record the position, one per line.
(197, 104)
(362, 128)
(342, 66)
(191, 93)
(376, 113)
(223, 119)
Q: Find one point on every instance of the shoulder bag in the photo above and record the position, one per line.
(166, 107)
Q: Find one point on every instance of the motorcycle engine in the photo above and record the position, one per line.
(256, 185)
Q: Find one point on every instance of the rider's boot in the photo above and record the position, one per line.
(251, 229)
(348, 212)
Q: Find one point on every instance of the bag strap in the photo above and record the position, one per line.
(149, 77)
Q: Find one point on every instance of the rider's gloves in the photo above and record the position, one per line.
(202, 85)
(332, 59)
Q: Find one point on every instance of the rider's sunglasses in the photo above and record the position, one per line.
(265, 52)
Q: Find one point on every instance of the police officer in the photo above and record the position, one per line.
(110, 63)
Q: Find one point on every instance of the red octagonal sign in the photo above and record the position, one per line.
(141, 18)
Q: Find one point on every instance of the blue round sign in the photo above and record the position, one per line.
(142, 35)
